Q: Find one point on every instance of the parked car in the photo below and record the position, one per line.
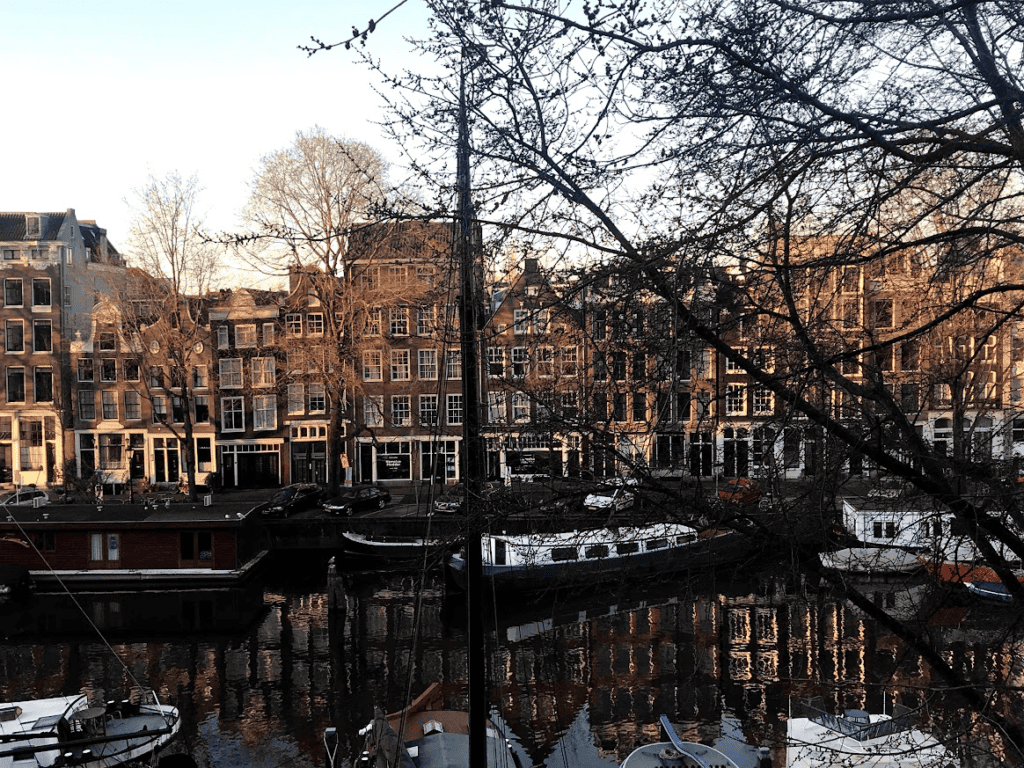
(359, 498)
(451, 500)
(741, 490)
(290, 500)
(26, 497)
(615, 494)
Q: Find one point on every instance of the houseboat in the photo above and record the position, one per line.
(130, 546)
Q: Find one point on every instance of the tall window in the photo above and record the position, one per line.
(264, 409)
(762, 401)
(132, 405)
(131, 369)
(222, 337)
(108, 369)
(453, 364)
(496, 409)
(42, 336)
(736, 400)
(425, 321)
(495, 361)
(87, 405)
(519, 362)
(317, 398)
(232, 414)
(13, 296)
(428, 364)
(15, 336)
(201, 405)
(428, 410)
(399, 365)
(109, 400)
(520, 407)
(400, 410)
(373, 366)
(521, 321)
(545, 361)
(159, 409)
(156, 376)
(296, 398)
(453, 410)
(399, 321)
(268, 334)
(293, 324)
(40, 291)
(570, 360)
(31, 444)
(315, 323)
(16, 385)
(373, 321)
(231, 373)
(263, 374)
(373, 410)
(85, 372)
(200, 377)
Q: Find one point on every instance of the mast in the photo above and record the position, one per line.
(472, 445)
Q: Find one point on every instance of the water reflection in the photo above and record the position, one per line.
(581, 680)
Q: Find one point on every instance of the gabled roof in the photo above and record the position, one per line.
(12, 225)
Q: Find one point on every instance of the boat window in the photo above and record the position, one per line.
(627, 547)
(500, 552)
(657, 543)
(559, 554)
(596, 550)
(685, 538)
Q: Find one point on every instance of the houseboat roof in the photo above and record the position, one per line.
(227, 515)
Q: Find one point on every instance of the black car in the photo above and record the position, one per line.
(291, 499)
(359, 498)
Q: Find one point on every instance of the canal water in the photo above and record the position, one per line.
(577, 679)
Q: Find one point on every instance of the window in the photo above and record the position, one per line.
(200, 377)
(296, 398)
(204, 452)
(600, 366)
(268, 334)
(232, 414)
(428, 410)
(520, 321)
(315, 324)
(67, 295)
(570, 360)
(618, 367)
(884, 529)
(618, 406)
(317, 398)
(86, 405)
(495, 361)
(426, 275)
(369, 279)
(245, 336)
(12, 292)
(177, 409)
(111, 451)
(132, 405)
(131, 370)
(222, 337)
(453, 410)
(496, 412)
(519, 362)
(16, 385)
(373, 321)
(882, 313)
(400, 365)
(109, 400)
(264, 410)
(400, 411)
(762, 401)
(639, 406)
(520, 407)
(397, 274)
(373, 366)
(735, 400)
(399, 321)
(373, 410)
(293, 325)
(541, 320)
(85, 372)
(42, 336)
(15, 336)
(428, 364)
(108, 369)
(545, 361)
(231, 373)
(10, 254)
(156, 376)
(425, 321)
(40, 291)
(105, 546)
(263, 374)
(159, 409)
(453, 364)
(201, 405)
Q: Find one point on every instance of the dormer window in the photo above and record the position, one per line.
(32, 226)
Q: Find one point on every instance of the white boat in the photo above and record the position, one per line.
(856, 738)
(871, 560)
(390, 547)
(66, 730)
(677, 753)
(423, 736)
(537, 561)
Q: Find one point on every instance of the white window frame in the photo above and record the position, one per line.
(736, 400)
(231, 373)
(427, 364)
(373, 410)
(245, 336)
(427, 411)
(264, 373)
(401, 411)
(316, 398)
(400, 365)
(453, 364)
(264, 412)
(454, 413)
(315, 323)
(296, 398)
(230, 408)
(373, 365)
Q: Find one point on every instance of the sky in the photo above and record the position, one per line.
(103, 93)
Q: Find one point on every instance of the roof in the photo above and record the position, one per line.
(12, 225)
(135, 514)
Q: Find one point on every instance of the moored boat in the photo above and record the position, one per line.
(816, 738)
(875, 560)
(390, 547)
(66, 730)
(677, 753)
(544, 560)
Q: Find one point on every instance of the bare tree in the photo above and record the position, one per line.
(763, 149)
(163, 305)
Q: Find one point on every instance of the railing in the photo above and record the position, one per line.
(856, 724)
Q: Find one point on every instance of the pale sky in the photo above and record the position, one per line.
(101, 93)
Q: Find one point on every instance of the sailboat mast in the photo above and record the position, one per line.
(472, 445)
